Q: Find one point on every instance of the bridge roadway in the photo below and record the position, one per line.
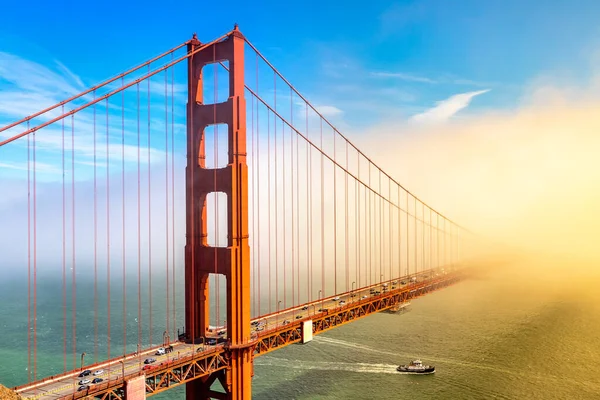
(66, 385)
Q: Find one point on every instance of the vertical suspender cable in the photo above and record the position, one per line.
(389, 219)
(416, 238)
(283, 190)
(380, 228)
(29, 262)
(149, 224)
(292, 187)
(269, 200)
(298, 215)
(335, 291)
(174, 305)
(64, 246)
(34, 262)
(276, 192)
(423, 234)
(95, 244)
(437, 241)
(123, 218)
(346, 249)
(407, 238)
(430, 242)
(253, 214)
(309, 214)
(258, 248)
(322, 216)
(139, 228)
(357, 223)
(167, 258)
(399, 237)
(74, 295)
(370, 229)
(367, 232)
(107, 234)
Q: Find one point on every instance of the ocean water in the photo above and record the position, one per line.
(509, 334)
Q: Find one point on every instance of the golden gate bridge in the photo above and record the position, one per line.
(232, 188)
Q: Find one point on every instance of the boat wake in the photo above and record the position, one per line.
(327, 366)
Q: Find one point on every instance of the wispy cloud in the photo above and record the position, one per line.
(447, 79)
(75, 78)
(447, 108)
(329, 111)
(109, 129)
(40, 167)
(403, 76)
(19, 73)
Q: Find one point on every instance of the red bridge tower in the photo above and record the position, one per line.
(201, 259)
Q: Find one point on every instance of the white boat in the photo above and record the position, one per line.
(416, 367)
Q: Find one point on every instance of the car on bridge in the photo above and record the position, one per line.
(84, 373)
(97, 380)
(149, 360)
(82, 387)
(84, 381)
(160, 351)
(304, 308)
(99, 372)
(336, 298)
(298, 316)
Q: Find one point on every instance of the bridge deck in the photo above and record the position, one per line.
(191, 361)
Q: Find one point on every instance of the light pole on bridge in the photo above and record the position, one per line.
(352, 292)
(122, 369)
(277, 319)
(82, 357)
(320, 298)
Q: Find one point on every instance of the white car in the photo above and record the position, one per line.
(364, 297)
(84, 381)
(99, 372)
(336, 298)
(160, 351)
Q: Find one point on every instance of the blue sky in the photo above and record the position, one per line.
(388, 60)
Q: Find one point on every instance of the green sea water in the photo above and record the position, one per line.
(509, 334)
